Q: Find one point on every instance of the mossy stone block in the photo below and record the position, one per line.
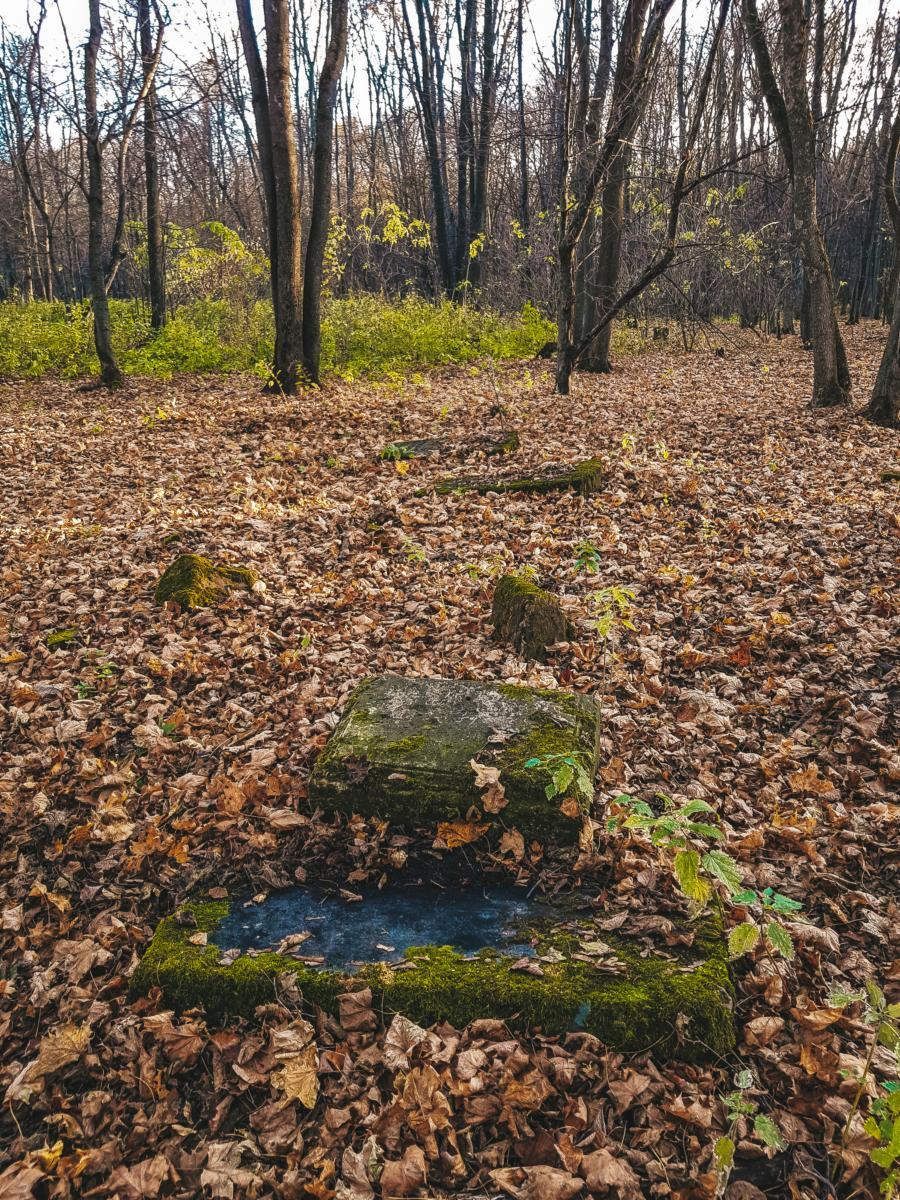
(403, 748)
(583, 477)
(527, 616)
(194, 582)
(678, 1007)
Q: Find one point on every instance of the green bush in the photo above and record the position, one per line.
(362, 336)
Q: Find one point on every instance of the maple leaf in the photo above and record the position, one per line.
(60, 1047)
(493, 794)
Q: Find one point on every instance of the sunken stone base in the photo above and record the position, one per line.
(678, 1007)
(403, 751)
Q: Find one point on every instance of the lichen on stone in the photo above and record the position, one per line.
(194, 582)
(583, 477)
(527, 616)
(680, 1008)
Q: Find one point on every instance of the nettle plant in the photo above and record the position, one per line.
(883, 1121)
(687, 846)
(741, 1108)
(565, 769)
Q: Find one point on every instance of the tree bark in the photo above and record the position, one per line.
(155, 251)
(884, 404)
(289, 296)
(110, 375)
(321, 197)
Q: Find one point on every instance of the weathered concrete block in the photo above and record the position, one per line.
(403, 751)
(527, 616)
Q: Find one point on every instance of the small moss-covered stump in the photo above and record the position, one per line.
(194, 582)
(527, 616)
(584, 478)
(505, 443)
(61, 639)
(677, 1006)
(403, 750)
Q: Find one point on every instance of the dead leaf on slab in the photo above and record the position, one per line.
(487, 778)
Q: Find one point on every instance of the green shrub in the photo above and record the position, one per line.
(362, 336)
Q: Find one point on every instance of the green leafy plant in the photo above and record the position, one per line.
(395, 453)
(741, 1107)
(612, 610)
(683, 842)
(565, 769)
(883, 1122)
(767, 909)
(587, 558)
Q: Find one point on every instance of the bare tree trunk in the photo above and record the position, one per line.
(884, 405)
(155, 251)
(259, 99)
(110, 374)
(289, 296)
(830, 385)
(321, 197)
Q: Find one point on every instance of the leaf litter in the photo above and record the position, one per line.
(154, 755)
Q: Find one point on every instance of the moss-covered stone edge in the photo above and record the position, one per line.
(424, 799)
(583, 477)
(636, 1012)
(193, 581)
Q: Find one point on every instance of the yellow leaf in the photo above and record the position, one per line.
(297, 1076)
(401, 466)
(50, 1156)
(16, 657)
(781, 618)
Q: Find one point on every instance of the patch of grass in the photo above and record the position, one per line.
(362, 336)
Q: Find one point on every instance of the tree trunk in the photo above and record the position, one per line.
(259, 99)
(884, 404)
(110, 375)
(321, 197)
(155, 252)
(289, 296)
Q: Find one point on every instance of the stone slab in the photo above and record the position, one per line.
(403, 750)
(676, 1004)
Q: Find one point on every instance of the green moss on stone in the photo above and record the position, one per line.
(506, 443)
(583, 477)
(190, 976)
(194, 582)
(527, 616)
(61, 637)
(635, 1011)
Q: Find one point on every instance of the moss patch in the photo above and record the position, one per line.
(402, 751)
(194, 582)
(527, 616)
(640, 1009)
(890, 475)
(584, 478)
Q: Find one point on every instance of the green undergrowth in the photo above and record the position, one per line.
(362, 335)
(637, 1010)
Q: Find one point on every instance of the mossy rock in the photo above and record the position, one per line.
(583, 477)
(60, 639)
(403, 748)
(890, 475)
(676, 1007)
(413, 448)
(527, 616)
(194, 582)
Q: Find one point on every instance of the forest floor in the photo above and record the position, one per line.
(159, 754)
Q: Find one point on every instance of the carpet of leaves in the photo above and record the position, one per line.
(155, 755)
